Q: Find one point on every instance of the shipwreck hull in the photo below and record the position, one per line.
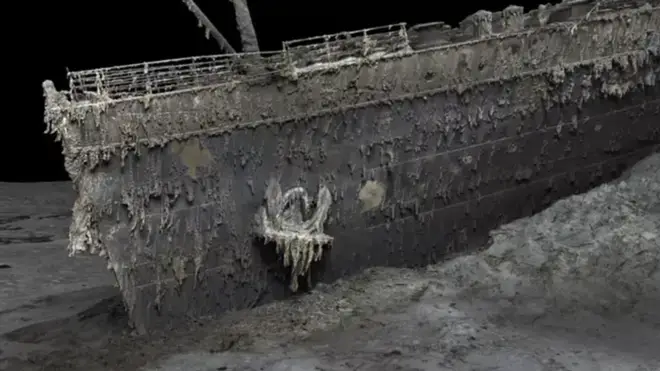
(423, 148)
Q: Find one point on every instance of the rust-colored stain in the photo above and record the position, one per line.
(193, 155)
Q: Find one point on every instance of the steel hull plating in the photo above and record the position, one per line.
(424, 148)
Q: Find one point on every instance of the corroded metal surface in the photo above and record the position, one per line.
(426, 139)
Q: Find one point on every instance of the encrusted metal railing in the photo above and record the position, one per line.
(322, 52)
(165, 76)
(302, 53)
(177, 74)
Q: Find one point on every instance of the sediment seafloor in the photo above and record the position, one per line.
(575, 287)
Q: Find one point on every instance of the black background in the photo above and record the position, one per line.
(43, 39)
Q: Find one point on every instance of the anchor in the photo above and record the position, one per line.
(295, 224)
